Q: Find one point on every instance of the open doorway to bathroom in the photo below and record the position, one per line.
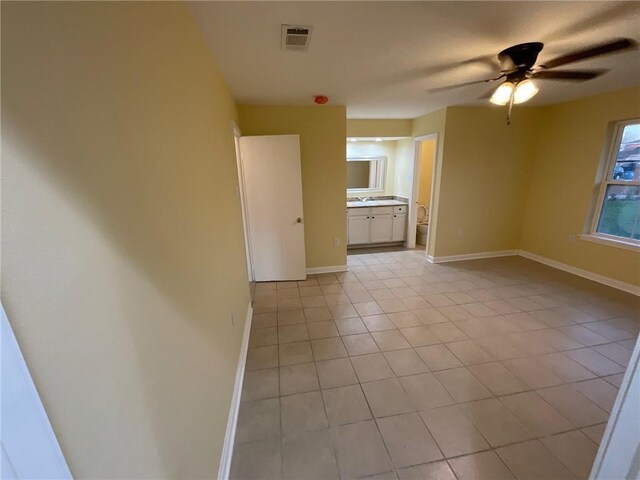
(425, 184)
(422, 195)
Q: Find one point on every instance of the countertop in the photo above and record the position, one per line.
(375, 203)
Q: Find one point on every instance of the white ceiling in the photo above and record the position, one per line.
(378, 58)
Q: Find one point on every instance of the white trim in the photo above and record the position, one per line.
(331, 269)
(627, 287)
(620, 442)
(28, 445)
(241, 192)
(473, 256)
(230, 435)
(611, 242)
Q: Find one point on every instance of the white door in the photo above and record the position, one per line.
(381, 225)
(358, 229)
(273, 188)
(399, 227)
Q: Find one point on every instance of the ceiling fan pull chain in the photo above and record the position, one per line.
(510, 107)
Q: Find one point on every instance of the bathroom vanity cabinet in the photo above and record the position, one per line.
(376, 225)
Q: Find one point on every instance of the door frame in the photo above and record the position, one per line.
(412, 221)
(619, 449)
(29, 447)
(241, 192)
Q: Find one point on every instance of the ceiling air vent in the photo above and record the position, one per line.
(296, 37)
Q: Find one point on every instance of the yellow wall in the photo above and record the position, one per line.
(123, 257)
(322, 131)
(484, 178)
(570, 147)
(375, 149)
(427, 156)
(379, 128)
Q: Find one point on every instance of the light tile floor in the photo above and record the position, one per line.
(493, 369)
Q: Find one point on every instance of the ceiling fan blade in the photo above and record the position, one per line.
(600, 15)
(460, 85)
(488, 94)
(572, 76)
(604, 49)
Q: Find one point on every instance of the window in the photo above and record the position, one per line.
(618, 209)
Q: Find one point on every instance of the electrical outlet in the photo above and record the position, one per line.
(336, 242)
(460, 232)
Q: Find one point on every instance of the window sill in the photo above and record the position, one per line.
(602, 240)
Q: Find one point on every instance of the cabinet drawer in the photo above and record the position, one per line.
(400, 209)
(381, 210)
(358, 211)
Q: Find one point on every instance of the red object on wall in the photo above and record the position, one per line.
(320, 99)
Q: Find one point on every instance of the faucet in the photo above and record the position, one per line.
(364, 199)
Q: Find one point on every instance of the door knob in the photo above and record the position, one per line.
(299, 220)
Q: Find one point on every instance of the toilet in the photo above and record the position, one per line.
(423, 224)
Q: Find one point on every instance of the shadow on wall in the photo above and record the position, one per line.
(122, 235)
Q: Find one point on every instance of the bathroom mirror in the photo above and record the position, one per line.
(366, 174)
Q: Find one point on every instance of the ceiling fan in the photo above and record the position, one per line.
(518, 68)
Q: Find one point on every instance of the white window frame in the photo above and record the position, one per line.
(380, 174)
(607, 179)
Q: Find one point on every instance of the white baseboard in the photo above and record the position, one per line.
(230, 435)
(626, 287)
(331, 269)
(472, 256)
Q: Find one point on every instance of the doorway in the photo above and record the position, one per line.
(423, 195)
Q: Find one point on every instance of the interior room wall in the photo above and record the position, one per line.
(484, 177)
(375, 149)
(571, 144)
(322, 131)
(379, 127)
(123, 268)
(427, 156)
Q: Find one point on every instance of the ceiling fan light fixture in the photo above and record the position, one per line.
(502, 95)
(525, 91)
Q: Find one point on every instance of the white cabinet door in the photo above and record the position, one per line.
(399, 227)
(358, 229)
(381, 226)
